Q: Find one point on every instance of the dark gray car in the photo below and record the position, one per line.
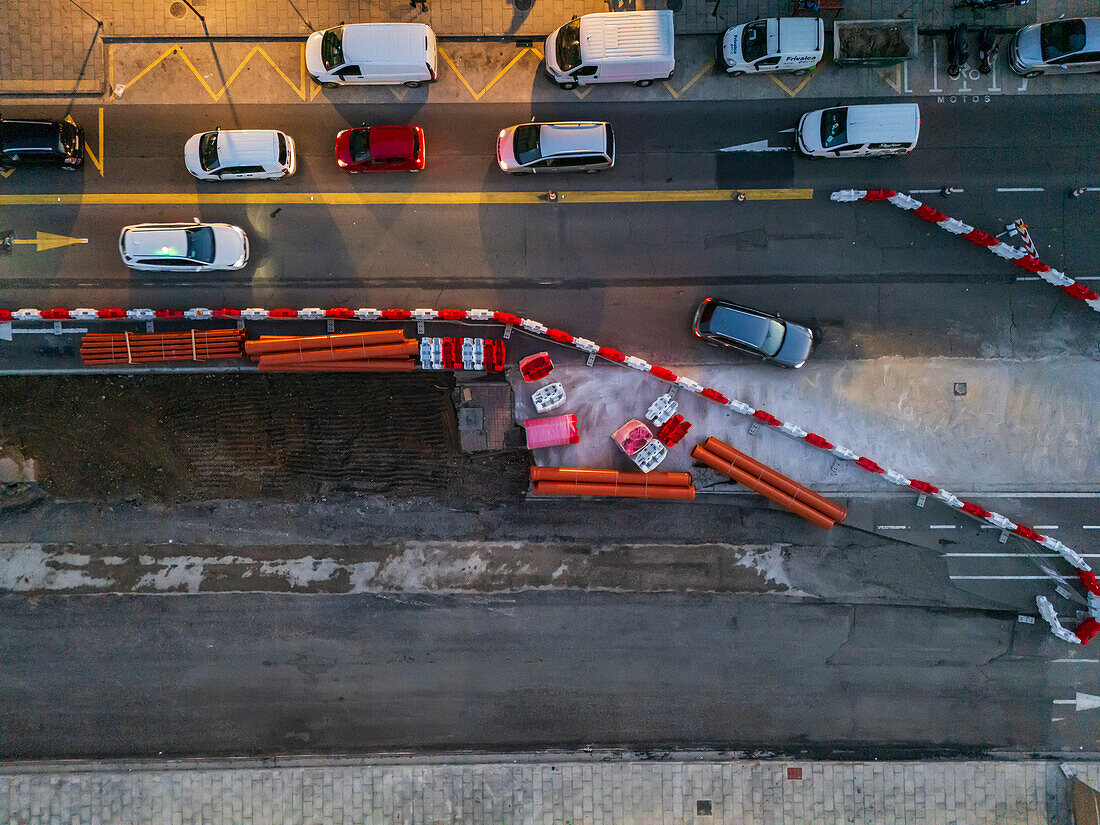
(726, 324)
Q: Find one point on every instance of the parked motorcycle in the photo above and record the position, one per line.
(987, 50)
(958, 51)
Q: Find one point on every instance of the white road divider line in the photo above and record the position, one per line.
(1021, 189)
(892, 527)
(1012, 578)
(941, 526)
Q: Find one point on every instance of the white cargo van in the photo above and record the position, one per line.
(612, 47)
(240, 154)
(372, 54)
(860, 131)
(777, 44)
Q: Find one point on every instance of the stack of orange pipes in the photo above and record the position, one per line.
(99, 349)
(775, 486)
(572, 481)
(386, 350)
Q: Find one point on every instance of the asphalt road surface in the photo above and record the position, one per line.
(264, 674)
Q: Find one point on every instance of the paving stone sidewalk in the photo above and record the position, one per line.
(596, 789)
(71, 59)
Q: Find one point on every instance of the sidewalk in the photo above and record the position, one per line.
(73, 63)
(590, 789)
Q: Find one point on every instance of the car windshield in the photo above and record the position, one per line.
(70, 138)
(200, 244)
(359, 145)
(332, 48)
(1060, 38)
(569, 46)
(525, 143)
(834, 127)
(773, 340)
(208, 151)
(754, 44)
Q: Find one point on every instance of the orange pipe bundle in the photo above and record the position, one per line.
(775, 479)
(288, 343)
(98, 349)
(365, 365)
(360, 352)
(763, 488)
(577, 488)
(610, 477)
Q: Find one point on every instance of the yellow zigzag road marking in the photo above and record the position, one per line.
(6, 173)
(894, 84)
(406, 198)
(299, 89)
(497, 77)
(800, 86)
(690, 83)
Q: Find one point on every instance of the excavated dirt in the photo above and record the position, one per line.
(198, 437)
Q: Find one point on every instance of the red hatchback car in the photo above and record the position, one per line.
(381, 149)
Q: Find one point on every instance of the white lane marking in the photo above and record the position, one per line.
(1046, 527)
(892, 527)
(1021, 189)
(928, 191)
(1080, 278)
(1009, 578)
(1078, 661)
(1082, 701)
(1014, 555)
(941, 526)
(1090, 526)
(756, 146)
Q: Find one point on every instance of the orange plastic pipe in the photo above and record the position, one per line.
(763, 488)
(610, 477)
(359, 353)
(775, 479)
(284, 344)
(376, 365)
(576, 488)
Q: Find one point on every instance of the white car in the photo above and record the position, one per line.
(183, 247)
(240, 154)
(775, 44)
(582, 146)
(1069, 46)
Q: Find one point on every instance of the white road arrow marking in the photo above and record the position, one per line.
(1083, 701)
(756, 146)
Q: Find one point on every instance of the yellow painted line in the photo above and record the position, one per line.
(792, 92)
(150, 67)
(690, 83)
(47, 240)
(454, 69)
(404, 198)
(7, 173)
(98, 162)
(299, 89)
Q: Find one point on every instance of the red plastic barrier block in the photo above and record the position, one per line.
(339, 312)
(396, 314)
(1087, 629)
(536, 366)
(5, 314)
(282, 313)
(54, 314)
(869, 465)
(611, 354)
(923, 486)
(980, 238)
(927, 213)
(559, 336)
(494, 355)
(879, 194)
(227, 313)
(814, 440)
(672, 432)
(1089, 581)
(1027, 533)
(111, 313)
(714, 395)
(507, 318)
(663, 374)
(1080, 291)
(169, 313)
(767, 418)
(975, 510)
(451, 314)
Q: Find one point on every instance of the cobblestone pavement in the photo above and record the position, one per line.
(599, 788)
(71, 61)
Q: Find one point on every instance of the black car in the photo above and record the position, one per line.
(725, 324)
(52, 142)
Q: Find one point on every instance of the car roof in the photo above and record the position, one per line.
(739, 323)
(627, 36)
(572, 138)
(799, 34)
(383, 42)
(391, 141)
(242, 145)
(889, 122)
(29, 134)
(168, 241)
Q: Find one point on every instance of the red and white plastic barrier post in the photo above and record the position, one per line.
(1022, 258)
(585, 345)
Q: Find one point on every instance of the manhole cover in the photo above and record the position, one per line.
(178, 9)
(523, 5)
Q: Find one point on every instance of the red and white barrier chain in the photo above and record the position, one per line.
(1022, 258)
(1084, 572)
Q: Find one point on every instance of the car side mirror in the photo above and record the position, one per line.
(197, 220)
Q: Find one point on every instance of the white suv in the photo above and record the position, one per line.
(183, 247)
(556, 147)
(240, 154)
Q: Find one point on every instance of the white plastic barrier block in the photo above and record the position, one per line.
(650, 456)
(689, 384)
(197, 313)
(848, 195)
(549, 397)
(585, 345)
(533, 326)
(480, 314)
(662, 409)
(145, 314)
(904, 201)
(741, 407)
(637, 363)
(368, 314)
(424, 314)
(254, 313)
(83, 314)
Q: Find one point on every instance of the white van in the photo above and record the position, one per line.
(240, 154)
(860, 131)
(372, 54)
(612, 47)
(776, 44)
